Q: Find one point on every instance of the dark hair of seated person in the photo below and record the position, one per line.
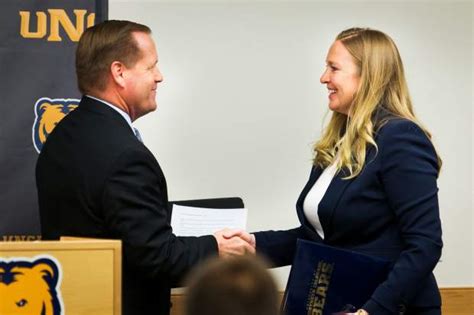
(235, 286)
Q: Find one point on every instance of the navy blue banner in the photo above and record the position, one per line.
(37, 88)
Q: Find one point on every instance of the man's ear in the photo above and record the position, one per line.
(117, 70)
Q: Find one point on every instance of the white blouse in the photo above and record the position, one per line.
(315, 195)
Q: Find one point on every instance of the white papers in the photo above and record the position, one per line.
(193, 221)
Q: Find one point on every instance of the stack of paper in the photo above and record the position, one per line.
(194, 221)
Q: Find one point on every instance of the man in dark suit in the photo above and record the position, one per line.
(95, 177)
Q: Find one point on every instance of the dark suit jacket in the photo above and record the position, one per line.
(390, 210)
(96, 179)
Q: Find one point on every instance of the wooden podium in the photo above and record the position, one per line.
(71, 276)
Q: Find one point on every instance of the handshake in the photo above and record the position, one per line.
(234, 242)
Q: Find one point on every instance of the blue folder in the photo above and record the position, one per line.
(325, 280)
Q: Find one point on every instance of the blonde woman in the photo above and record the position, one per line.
(372, 188)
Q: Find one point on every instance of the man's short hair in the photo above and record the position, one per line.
(236, 286)
(102, 44)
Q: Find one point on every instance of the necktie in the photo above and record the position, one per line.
(137, 134)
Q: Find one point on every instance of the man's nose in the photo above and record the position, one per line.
(158, 75)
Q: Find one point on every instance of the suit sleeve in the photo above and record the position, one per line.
(278, 246)
(135, 205)
(409, 172)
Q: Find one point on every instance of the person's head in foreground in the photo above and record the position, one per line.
(234, 286)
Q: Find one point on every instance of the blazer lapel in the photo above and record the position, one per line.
(315, 173)
(336, 189)
(331, 198)
(328, 203)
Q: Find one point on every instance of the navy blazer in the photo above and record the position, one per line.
(389, 210)
(96, 179)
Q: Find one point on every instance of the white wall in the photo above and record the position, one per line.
(241, 103)
(472, 139)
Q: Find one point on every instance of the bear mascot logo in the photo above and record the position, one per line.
(49, 113)
(30, 287)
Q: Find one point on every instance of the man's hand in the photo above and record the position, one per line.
(234, 242)
(249, 238)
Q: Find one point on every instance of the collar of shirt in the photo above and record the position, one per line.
(118, 110)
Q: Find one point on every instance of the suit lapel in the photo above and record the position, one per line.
(334, 193)
(315, 173)
(331, 198)
(329, 202)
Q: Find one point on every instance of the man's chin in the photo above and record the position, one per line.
(151, 108)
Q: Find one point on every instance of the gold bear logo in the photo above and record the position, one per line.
(49, 112)
(52, 114)
(29, 288)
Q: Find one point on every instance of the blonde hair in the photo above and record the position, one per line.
(382, 84)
